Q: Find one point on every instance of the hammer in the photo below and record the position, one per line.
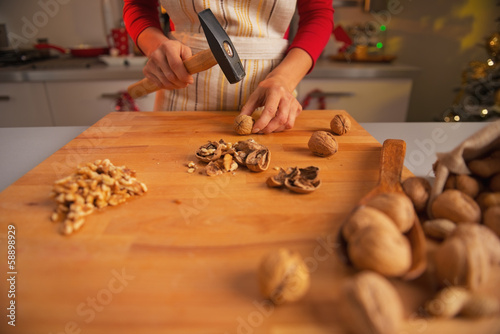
(221, 52)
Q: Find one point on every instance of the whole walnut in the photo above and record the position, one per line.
(370, 305)
(340, 124)
(418, 189)
(383, 250)
(283, 276)
(363, 217)
(465, 183)
(323, 144)
(243, 124)
(462, 260)
(456, 206)
(397, 206)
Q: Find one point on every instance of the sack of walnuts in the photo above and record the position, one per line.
(467, 180)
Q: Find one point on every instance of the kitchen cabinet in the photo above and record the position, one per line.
(366, 99)
(85, 102)
(24, 104)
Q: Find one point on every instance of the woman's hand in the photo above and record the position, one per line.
(280, 106)
(165, 64)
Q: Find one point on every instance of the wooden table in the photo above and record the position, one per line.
(183, 257)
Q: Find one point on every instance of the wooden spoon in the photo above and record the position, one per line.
(391, 167)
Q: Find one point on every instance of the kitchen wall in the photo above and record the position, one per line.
(440, 37)
(65, 22)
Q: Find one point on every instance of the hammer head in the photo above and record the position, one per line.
(221, 46)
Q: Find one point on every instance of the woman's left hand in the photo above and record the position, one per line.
(281, 108)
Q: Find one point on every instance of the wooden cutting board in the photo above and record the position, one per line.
(183, 257)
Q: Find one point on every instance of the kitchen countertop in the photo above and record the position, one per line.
(93, 69)
(22, 149)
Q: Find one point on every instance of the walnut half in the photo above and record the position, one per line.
(298, 180)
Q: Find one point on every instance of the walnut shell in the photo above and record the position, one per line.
(418, 190)
(258, 161)
(456, 206)
(363, 217)
(462, 261)
(323, 144)
(299, 180)
(303, 180)
(382, 250)
(340, 124)
(371, 304)
(283, 276)
(211, 151)
(243, 124)
(397, 206)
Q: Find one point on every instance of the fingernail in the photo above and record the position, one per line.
(255, 130)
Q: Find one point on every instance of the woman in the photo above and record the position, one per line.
(257, 29)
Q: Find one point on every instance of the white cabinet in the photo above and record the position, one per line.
(24, 104)
(366, 100)
(85, 102)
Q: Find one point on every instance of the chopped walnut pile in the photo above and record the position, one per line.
(93, 186)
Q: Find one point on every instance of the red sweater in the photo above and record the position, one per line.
(315, 22)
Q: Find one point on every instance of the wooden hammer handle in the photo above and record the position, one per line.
(201, 61)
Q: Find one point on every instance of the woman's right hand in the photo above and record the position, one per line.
(165, 65)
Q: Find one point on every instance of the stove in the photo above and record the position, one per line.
(11, 57)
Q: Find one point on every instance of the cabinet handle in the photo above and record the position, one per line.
(331, 94)
(4, 97)
(112, 96)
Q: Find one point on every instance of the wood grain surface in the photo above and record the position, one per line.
(183, 257)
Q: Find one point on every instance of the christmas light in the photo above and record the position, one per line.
(380, 45)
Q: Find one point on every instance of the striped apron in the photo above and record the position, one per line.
(256, 28)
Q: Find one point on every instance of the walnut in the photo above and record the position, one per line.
(243, 124)
(479, 306)
(456, 206)
(225, 157)
(463, 259)
(371, 304)
(491, 219)
(340, 124)
(454, 301)
(363, 217)
(439, 228)
(211, 151)
(418, 190)
(383, 250)
(465, 183)
(397, 206)
(323, 144)
(258, 161)
(93, 186)
(448, 302)
(283, 276)
(298, 180)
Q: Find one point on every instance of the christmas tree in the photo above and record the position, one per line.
(478, 98)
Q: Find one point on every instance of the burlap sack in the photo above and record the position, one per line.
(476, 146)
